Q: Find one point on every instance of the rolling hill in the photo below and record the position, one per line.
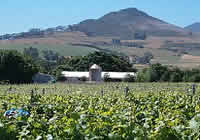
(194, 27)
(170, 45)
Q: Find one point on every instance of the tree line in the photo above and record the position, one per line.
(18, 67)
(161, 73)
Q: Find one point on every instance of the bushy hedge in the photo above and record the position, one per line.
(160, 73)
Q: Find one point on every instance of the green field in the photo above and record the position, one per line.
(160, 55)
(64, 50)
(158, 111)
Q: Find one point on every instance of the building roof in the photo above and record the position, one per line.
(112, 75)
(75, 74)
(95, 66)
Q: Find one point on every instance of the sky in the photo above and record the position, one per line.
(22, 15)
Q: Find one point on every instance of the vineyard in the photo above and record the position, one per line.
(110, 111)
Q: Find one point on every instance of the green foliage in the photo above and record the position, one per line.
(160, 73)
(32, 52)
(156, 112)
(62, 49)
(49, 55)
(108, 62)
(146, 59)
(5, 134)
(16, 68)
(176, 75)
(46, 66)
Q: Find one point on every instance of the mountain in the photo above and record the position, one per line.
(121, 32)
(34, 33)
(126, 23)
(194, 27)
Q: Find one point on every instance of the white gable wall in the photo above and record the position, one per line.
(112, 75)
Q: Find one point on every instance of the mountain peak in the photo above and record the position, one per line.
(125, 24)
(132, 11)
(125, 13)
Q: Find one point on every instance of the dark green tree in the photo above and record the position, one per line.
(49, 55)
(33, 52)
(16, 68)
(108, 62)
(176, 75)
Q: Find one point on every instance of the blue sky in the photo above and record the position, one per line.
(21, 15)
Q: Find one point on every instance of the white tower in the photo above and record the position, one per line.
(95, 73)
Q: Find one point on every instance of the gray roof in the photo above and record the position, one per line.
(95, 66)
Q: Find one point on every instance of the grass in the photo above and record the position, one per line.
(62, 49)
(60, 43)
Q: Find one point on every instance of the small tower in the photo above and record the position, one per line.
(95, 73)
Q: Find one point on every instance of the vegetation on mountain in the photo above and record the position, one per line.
(34, 33)
(145, 59)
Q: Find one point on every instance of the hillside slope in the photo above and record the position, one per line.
(125, 23)
(170, 45)
(194, 27)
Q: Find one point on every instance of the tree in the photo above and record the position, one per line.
(49, 55)
(108, 62)
(33, 52)
(160, 73)
(155, 73)
(146, 59)
(16, 68)
(176, 75)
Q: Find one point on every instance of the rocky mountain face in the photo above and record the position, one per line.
(126, 24)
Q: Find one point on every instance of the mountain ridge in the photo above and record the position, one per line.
(195, 27)
(125, 23)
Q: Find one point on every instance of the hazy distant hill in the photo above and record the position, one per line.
(194, 27)
(126, 23)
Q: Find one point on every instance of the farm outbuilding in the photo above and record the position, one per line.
(95, 74)
(76, 76)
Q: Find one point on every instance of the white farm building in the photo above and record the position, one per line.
(112, 75)
(95, 74)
